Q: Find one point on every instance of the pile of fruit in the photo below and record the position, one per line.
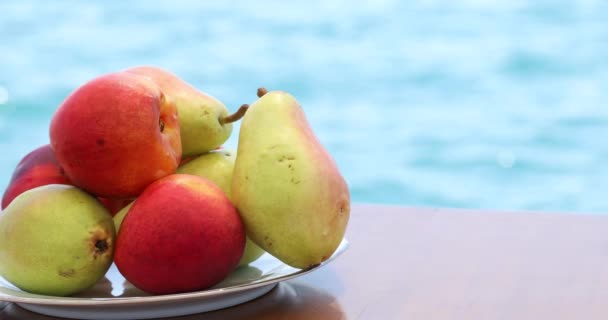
(135, 174)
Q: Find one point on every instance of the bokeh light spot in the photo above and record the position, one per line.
(505, 159)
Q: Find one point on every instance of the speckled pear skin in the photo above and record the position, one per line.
(55, 240)
(287, 188)
(218, 166)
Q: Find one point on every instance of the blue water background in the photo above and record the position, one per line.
(475, 104)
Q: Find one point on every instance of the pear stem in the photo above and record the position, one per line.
(235, 116)
(262, 91)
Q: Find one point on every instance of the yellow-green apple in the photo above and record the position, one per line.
(182, 234)
(217, 166)
(37, 168)
(204, 121)
(116, 134)
(55, 240)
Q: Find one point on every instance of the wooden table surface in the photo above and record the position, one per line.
(412, 263)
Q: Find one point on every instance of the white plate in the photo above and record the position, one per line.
(115, 298)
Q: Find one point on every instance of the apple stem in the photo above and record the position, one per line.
(235, 116)
(262, 91)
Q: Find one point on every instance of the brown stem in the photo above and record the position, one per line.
(235, 116)
(261, 92)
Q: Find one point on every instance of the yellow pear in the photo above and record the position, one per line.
(204, 121)
(288, 189)
(55, 240)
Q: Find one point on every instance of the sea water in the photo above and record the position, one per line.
(473, 104)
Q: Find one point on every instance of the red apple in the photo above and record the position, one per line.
(116, 134)
(37, 168)
(181, 235)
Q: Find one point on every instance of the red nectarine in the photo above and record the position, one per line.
(116, 134)
(182, 234)
(37, 168)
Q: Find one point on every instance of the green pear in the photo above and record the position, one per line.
(218, 166)
(55, 240)
(288, 189)
(204, 121)
(120, 216)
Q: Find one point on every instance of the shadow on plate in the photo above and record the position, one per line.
(286, 301)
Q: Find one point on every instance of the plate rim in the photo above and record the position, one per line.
(81, 301)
